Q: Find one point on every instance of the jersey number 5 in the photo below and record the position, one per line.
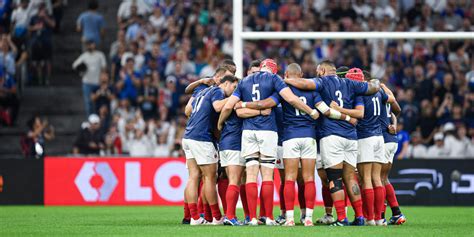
(297, 111)
(255, 92)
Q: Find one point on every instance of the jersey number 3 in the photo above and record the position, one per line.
(339, 98)
(255, 92)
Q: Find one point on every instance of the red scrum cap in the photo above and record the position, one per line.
(355, 74)
(270, 64)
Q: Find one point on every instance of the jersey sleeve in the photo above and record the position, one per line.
(318, 83)
(278, 83)
(217, 95)
(384, 96)
(317, 97)
(359, 101)
(360, 88)
(276, 97)
(238, 91)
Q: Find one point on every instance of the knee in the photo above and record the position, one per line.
(335, 177)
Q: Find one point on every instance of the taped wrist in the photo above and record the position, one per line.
(334, 114)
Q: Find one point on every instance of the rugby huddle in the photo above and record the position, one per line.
(266, 122)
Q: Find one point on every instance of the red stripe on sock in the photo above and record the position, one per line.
(216, 212)
(357, 206)
(340, 206)
(232, 196)
(187, 212)
(207, 212)
(200, 205)
(252, 196)
(289, 195)
(309, 194)
(193, 210)
(379, 201)
(222, 185)
(262, 207)
(267, 192)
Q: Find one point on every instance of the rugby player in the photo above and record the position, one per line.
(338, 142)
(199, 147)
(388, 122)
(259, 137)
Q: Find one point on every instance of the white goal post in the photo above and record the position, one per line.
(239, 36)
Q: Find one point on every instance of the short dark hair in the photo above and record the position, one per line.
(327, 62)
(342, 71)
(229, 78)
(230, 65)
(255, 63)
(93, 5)
(228, 62)
(221, 69)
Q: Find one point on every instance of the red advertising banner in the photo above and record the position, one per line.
(119, 181)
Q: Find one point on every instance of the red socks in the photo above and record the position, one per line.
(267, 193)
(369, 203)
(301, 199)
(379, 201)
(340, 206)
(327, 199)
(193, 210)
(390, 195)
(309, 194)
(207, 212)
(187, 212)
(262, 207)
(289, 195)
(252, 197)
(243, 198)
(232, 196)
(282, 198)
(200, 205)
(357, 206)
(222, 185)
(216, 212)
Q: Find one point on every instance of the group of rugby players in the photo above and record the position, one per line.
(262, 122)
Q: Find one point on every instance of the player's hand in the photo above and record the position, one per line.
(208, 81)
(266, 112)
(238, 105)
(334, 105)
(353, 121)
(392, 129)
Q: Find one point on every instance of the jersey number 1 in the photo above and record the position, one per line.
(297, 111)
(376, 102)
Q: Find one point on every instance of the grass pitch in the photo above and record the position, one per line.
(165, 221)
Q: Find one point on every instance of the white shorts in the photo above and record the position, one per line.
(264, 142)
(371, 149)
(230, 157)
(336, 149)
(304, 148)
(390, 149)
(279, 160)
(203, 152)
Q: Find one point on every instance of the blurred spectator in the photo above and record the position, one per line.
(94, 63)
(90, 140)
(403, 140)
(438, 150)
(58, 10)
(456, 142)
(5, 9)
(148, 98)
(91, 24)
(416, 149)
(33, 144)
(19, 21)
(141, 145)
(129, 82)
(41, 27)
(104, 94)
(9, 102)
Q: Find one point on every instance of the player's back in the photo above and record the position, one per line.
(231, 133)
(255, 87)
(369, 125)
(385, 120)
(296, 123)
(343, 92)
(203, 117)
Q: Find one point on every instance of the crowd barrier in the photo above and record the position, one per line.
(161, 181)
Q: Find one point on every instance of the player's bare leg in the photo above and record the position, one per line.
(234, 174)
(267, 190)
(307, 168)
(365, 171)
(327, 199)
(210, 192)
(353, 190)
(191, 191)
(379, 193)
(203, 200)
(334, 174)
(397, 217)
(291, 174)
(252, 169)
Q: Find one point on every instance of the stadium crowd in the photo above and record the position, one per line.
(138, 96)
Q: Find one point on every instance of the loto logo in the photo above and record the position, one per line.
(96, 181)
